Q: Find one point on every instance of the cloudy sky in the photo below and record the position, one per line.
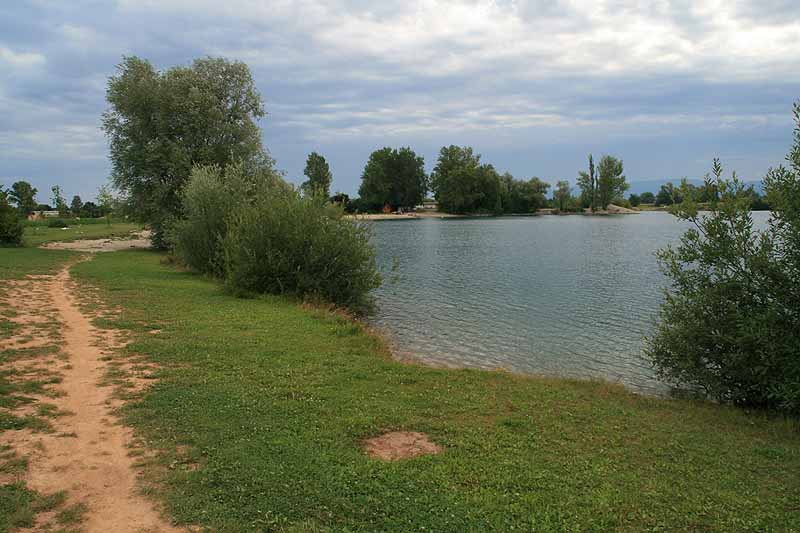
(533, 86)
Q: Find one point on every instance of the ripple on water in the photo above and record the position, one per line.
(565, 296)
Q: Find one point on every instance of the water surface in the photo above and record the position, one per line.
(569, 296)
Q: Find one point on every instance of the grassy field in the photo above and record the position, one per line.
(37, 235)
(262, 407)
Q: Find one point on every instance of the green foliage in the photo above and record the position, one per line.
(319, 176)
(518, 197)
(106, 201)
(634, 200)
(622, 202)
(455, 181)
(562, 196)
(668, 194)
(610, 180)
(11, 227)
(90, 210)
(76, 206)
(587, 181)
(57, 223)
(729, 325)
(59, 202)
(393, 177)
(285, 244)
(23, 194)
(647, 198)
(259, 235)
(600, 185)
(210, 199)
(160, 124)
(462, 184)
(207, 205)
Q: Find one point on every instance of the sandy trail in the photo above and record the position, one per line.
(87, 454)
(140, 240)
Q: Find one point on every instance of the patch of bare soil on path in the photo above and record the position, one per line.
(87, 455)
(140, 241)
(397, 445)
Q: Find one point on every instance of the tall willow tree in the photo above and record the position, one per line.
(161, 123)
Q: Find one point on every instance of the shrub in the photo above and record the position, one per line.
(11, 227)
(623, 202)
(197, 240)
(209, 200)
(284, 244)
(257, 233)
(57, 223)
(729, 325)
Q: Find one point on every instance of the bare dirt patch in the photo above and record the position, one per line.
(397, 445)
(93, 466)
(141, 240)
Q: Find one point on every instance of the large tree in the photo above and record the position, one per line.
(587, 181)
(611, 182)
(393, 177)
(668, 195)
(11, 228)
(23, 194)
(520, 196)
(562, 195)
(59, 202)
(319, 176)
(76, 205)
(461, 184)
(161, 123)
(647, 198)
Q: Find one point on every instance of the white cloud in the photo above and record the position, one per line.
(510, 72)
(711, 39)
(20, 60)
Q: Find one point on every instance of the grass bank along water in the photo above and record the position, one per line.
(262, 410)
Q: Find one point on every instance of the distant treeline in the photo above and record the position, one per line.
(395, 179)
(670, 194)
(22, 197)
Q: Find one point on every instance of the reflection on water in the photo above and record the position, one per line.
(567, 296)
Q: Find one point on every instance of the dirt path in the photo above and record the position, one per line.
(87, 455)
(140, 240)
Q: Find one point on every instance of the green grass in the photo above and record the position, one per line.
(73, 221)
(269, 403)
(20, 505)
(37, 235)
(16, 263)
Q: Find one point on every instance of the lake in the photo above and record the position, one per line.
(570, 296)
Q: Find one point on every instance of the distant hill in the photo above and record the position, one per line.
(653, 186)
